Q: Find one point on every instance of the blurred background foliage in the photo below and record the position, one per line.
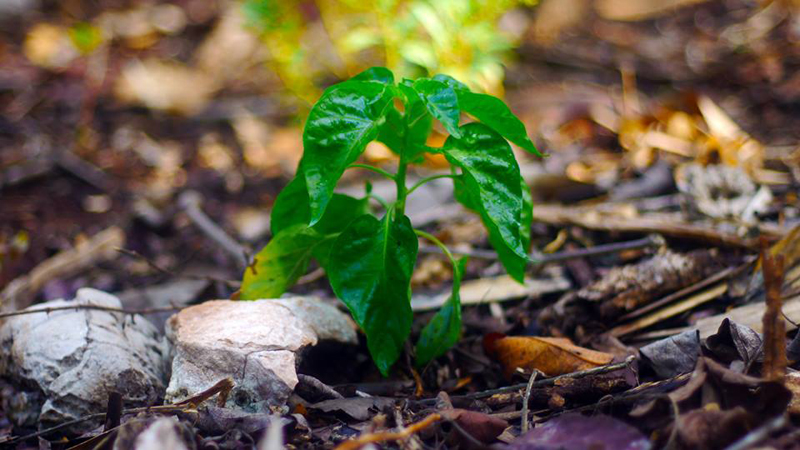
(461, 38)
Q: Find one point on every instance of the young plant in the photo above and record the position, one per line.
(369, 260)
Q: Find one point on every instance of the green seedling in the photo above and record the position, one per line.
(369, 260)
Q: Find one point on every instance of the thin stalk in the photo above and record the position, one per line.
(439, 244)
(373, 169)
(380, 200)
(402, 190)
(427, 179)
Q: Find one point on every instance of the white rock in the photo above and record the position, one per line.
(76, 357)
(163, 434)
(257, 343)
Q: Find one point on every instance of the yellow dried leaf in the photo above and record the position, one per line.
(552, 356)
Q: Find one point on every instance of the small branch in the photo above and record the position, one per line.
(760, 434)
(654, 240)
(526, 399)
(373, 169)
(427, 179)
(92, 307)
(365, 439)
(189, 202)
(234, 284)
(20, 291)
(540, 383)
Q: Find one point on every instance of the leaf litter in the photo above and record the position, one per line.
(690, 345)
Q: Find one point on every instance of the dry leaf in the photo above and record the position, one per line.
(49, 46)
(626, 10)
(774, 368)
(164, 85)
(551, 356)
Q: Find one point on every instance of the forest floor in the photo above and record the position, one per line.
(666, 222)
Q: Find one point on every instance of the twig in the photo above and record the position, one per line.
(526, 399)
(18, 293)
(365, 439)
(84, 170)
(222, 387)
(540, 383)
(318, 386)
(759, 434)
(683, 292)
(230, 283)
(653, 240)
(51, 309)
(46, 431)
(312, 276)
(189, 202)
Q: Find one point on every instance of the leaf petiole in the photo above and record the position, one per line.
(427, 179)
(373, 169)
(380, 200)
(439, 244)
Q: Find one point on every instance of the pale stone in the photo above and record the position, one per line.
(74, 358)
(163, 434)
(257, 343)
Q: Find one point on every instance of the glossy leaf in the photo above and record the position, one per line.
(526, 218)
(442, 103)
(392, 132)
(339, 126)
(452, 82)
(444, 329)
(514, 264)
(494, 113)
(491, 175)
(280, 263)
(291, 208)
(491, 111)
(370, 271)
(291, 205)
(418, 119)
(379, 74)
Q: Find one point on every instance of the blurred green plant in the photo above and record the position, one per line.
(460, 38)
(85, 37)
(369, 261)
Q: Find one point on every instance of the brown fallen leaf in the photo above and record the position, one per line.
(480, 427)
(551, 356)
(774, 368)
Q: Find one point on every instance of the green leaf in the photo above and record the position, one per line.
(495, 113)
(339, 126)
(370, 271)
(280, 263)
(392, 131)
(491, 176)
(291, 205)
(291, 208)
(442, 102)
(452, 82)
(514, 264)
(526, 217)
(379, 74)
(417, 118)
(444, 329)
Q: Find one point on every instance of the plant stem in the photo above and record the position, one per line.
(402, 190)
(427, 179)
(372, 168)
(439, 244)
(380, 200)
